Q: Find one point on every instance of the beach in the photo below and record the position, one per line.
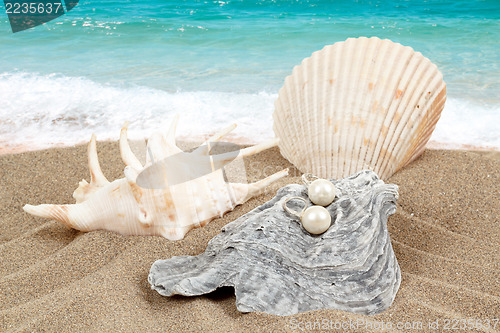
(445, 234)
(104, 65)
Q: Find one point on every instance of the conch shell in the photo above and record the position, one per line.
(171, 210)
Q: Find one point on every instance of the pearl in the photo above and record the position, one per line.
(321, 192)
(316, 220)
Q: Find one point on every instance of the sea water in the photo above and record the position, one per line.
(223, 62)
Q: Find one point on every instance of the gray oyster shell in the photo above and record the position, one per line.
(277, 267)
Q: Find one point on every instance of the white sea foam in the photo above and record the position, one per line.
(42, 111)
(470, 123)
(48, 110)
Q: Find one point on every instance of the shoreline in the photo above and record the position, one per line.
(7, 148)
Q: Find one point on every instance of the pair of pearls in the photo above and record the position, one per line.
(315, 219)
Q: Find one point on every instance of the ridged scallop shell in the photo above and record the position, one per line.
(127, 207)
(364, 103)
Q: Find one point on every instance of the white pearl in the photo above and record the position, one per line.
(316, 220)
(321, 192)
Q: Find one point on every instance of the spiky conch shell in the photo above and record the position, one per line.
(124, 207)
(364, 103)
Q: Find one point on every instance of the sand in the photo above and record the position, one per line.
(445, 234)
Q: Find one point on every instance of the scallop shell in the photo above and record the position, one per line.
(364, 103)
(127, 207)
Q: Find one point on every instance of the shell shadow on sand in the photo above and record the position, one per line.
(276, 267)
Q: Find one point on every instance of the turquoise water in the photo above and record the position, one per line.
(222, 61)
